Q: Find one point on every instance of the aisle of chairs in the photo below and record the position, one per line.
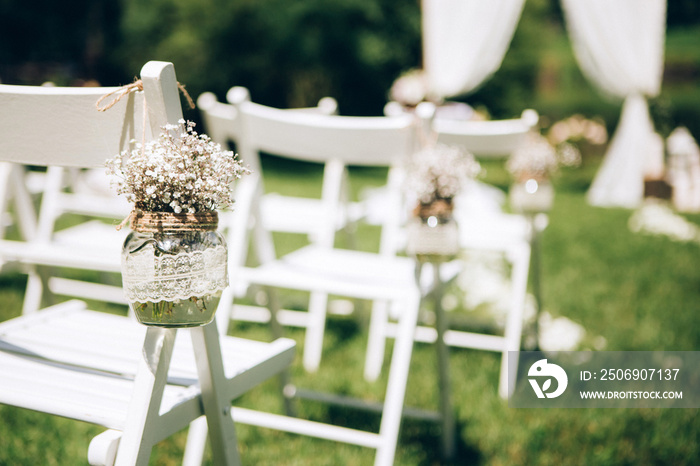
(59, 340)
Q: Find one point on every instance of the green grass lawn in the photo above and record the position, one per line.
(640, 293)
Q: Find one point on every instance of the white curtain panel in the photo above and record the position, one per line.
(619, 45)
(464, 41)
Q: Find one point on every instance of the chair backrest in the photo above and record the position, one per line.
(332, 140)
(487, 139)
(483, 138)
(61, 126)
(363, 141)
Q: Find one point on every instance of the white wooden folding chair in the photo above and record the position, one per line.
(103, 368)
(482, 229)
(321, 269)
(496, 231)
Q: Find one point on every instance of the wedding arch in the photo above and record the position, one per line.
(619, 45)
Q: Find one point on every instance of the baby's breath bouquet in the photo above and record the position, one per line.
(410, 88)
(572, 134)
(180, 172)
(174, 262)
(538, 159)
(436, 174)
(532, 165)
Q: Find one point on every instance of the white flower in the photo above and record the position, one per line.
(535, 157)
(440, 172)
(178, 171)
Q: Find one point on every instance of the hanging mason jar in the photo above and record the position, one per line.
(531, 196)
(174, 268)
(432, 232)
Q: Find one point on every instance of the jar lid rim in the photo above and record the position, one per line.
(143, 221)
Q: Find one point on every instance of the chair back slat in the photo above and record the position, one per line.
(61, 126)
(487, 139)
(162, 95)
(364, 141)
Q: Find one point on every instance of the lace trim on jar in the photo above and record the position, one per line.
(173, 277)
(437, 239)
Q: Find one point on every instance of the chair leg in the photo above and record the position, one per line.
(103, 448)
(514, 323)
(443, 360)
(398, 381)
(198, 432)
(286, 387)
(217, 405)
(5, 194)
(315, 329)
(24, 208)
(136, 443)
(32, 293)
(37, 291)
(376, 343)
(196, 442)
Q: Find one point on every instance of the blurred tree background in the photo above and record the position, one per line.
(293, 53)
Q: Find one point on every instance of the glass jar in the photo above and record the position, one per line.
(174, 277)
(532, 196)
(432, 238)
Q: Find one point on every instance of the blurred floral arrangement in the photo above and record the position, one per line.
(538, 159)
(569, 134)
(180, 172)
(436, 174)
(410, 88)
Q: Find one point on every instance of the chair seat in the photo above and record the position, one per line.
(51, 255)
(96, 205)
(92, 245)
(92, 396)
(337, 271)
(45, 356)
(94, 237)
(301, 215)
(493, 231)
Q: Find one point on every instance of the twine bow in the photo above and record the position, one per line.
(137, 85)
(155, 222)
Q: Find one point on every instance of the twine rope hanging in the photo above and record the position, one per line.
(137, 85)
(154, 222)
(427, 135)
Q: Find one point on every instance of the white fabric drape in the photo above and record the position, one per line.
(464, 41)
(684, 170)
(619, 45)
